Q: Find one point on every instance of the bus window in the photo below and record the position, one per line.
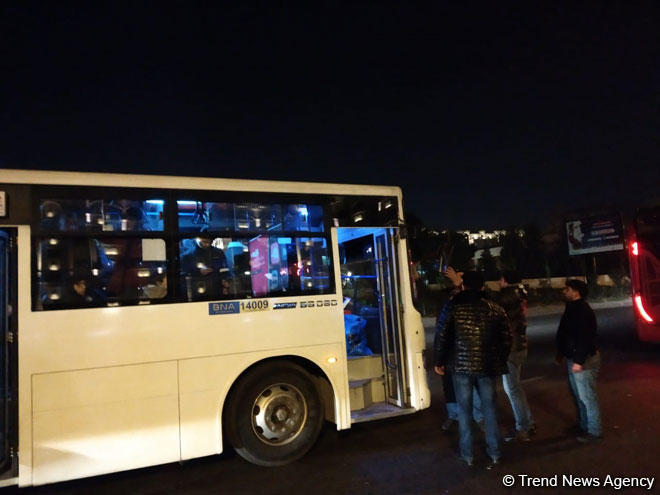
(133, 216)
(283, 265)
(71, 215)
(214, 217)
(257, 217)
(217, 268)
(84, 272)
(303, 218)
(206, 272)
(64, 266)
(93, 215)
(139, 271)
(199, 216)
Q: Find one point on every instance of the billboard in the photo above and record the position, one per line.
(595, 234)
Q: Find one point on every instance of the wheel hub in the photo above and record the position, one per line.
(279, 414)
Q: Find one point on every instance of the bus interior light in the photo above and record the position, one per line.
(639, 304)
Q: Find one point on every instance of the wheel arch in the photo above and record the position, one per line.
(322, 383)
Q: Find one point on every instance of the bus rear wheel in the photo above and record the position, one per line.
(274, 414)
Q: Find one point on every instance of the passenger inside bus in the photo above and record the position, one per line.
(81, 292)
(204, 269)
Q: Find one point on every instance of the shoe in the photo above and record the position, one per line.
(449, 425)
(517, 436)
(494, 462)
(532, 431)
(467, 460)
(589, 438)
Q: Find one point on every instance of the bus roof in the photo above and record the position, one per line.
(15, 176)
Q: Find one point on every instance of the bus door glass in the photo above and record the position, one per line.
(7, 292)
(389, 304)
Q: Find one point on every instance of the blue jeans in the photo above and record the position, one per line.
(583, 387)
(463, 386)
(452, 408)
(515, 392)
(450, 399)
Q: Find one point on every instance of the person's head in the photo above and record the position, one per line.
(80, 286)
(203, 242)
(574, 290)
(509, 277)
(473, 280)
(133, 217)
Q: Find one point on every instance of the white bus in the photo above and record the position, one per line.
(150, 319)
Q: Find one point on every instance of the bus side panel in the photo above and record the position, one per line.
(90, 422)
(205, 382)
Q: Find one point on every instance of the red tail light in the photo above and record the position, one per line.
(640, 309)
(634, 248)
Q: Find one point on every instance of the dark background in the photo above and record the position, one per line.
(486, 115)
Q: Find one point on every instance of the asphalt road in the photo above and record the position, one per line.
(412, 455)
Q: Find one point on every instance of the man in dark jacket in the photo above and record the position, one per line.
(205, 270)
(576, 341)
(473, 341)
(513, 298)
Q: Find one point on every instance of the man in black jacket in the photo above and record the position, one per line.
(473, 341)
(513, 298)
(576, 341)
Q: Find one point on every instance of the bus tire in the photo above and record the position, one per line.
(274, 414)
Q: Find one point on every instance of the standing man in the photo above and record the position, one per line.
(450, 423)
(206, 271)
(513, 298)
(473, 341)
(576, 341)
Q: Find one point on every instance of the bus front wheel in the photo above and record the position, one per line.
(274, 414)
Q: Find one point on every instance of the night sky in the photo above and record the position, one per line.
(486, 116)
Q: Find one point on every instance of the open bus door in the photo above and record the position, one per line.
(374, 332)
(8, 403)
